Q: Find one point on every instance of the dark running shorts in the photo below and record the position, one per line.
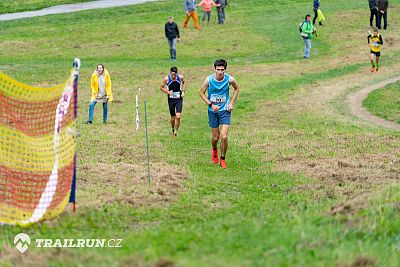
(378, 54)
(175, 105)
(215, 119)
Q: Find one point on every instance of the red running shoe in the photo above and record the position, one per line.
(222, 163)
(214, 156)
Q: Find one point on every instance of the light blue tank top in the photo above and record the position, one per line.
(218, 92)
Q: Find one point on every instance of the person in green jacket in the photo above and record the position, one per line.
(307, 31)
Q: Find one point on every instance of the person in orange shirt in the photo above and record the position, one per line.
(207, 8)
(190, 8)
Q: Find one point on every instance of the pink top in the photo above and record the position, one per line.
(207, 4)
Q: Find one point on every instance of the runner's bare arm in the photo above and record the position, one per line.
(203, 90)
(183, 85)
(163, 86)
(235, 86)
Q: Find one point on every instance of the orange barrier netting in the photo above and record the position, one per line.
(37, 149)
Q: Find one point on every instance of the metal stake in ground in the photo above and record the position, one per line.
(147, 144)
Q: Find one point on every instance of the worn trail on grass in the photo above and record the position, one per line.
(59, 9)
(358, 110)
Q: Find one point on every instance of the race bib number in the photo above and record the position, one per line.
(375, 44)
(175, 95)
(218, 99)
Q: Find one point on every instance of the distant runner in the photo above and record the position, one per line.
(374, 42)
(219, 107)
(174, 86)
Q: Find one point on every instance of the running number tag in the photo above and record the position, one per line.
(175, 95)
(375, 44)
(218, 99)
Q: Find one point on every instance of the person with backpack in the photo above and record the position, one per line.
(374, 42)
(373, 7)
(174, 86)
(307, 31)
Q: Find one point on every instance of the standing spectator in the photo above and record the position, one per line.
(101, 92)
(190, 8)
(221, 10)
(307, 31)
(207, 9)
(373, 7)
(383, 7)
(172, 35)
(316, 7)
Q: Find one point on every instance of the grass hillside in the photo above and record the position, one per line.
(385, 103)
(307, 183)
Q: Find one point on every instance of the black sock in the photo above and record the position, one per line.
(222, 157)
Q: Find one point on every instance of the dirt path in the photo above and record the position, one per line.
(71, 8)
(357, 109)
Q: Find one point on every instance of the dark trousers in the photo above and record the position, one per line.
(384, 16)
(315, 15)
(374, 13)
(221, 14)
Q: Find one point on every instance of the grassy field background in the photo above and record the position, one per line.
(307, 183)
(385, 103)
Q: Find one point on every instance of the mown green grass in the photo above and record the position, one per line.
(385, 102)
(249, 214)
(11, 6)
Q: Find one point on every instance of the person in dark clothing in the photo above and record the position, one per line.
(221, 10)
(316, 6)
(373, 7)
(172, 35)
(382, 13)
(174, 86)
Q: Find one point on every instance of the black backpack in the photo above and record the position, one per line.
(301, 26)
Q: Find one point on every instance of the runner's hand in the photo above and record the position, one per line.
(183, 93)
(230, 107)
(215, 108)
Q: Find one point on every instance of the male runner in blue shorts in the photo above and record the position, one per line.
(174, 86)
(219, 107)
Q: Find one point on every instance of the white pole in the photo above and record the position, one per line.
(137, 110)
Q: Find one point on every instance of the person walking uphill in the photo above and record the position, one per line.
(174, 86)
(207, 9)
(307, 31)
(172, 35)
(190, 8)
(101, 92)
(219, 107)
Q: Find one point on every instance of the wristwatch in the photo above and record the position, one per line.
(210, 105)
